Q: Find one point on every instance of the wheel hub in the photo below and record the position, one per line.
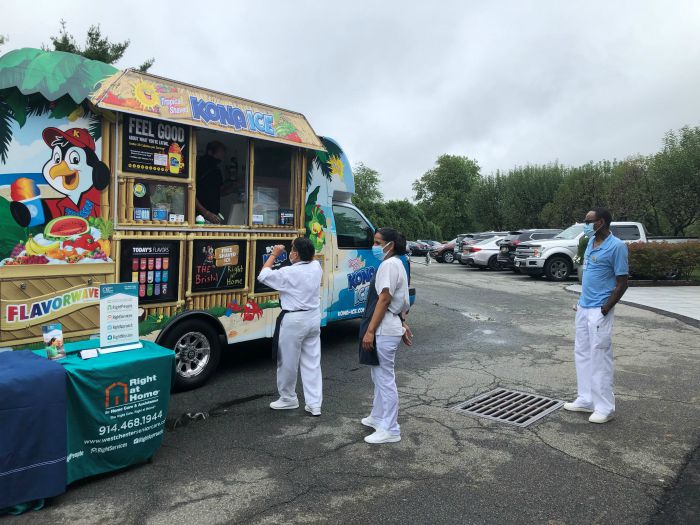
(192, 354)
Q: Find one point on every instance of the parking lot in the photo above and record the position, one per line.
(228, 458)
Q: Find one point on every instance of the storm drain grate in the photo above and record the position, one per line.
(509, 406)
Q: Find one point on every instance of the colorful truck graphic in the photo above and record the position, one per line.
(98, 183)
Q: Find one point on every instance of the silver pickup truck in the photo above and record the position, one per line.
(554, 258)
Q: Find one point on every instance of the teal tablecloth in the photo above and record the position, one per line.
(117, 406)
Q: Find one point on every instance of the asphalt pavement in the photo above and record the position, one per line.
(227, 458)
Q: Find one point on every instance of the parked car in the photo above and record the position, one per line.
(418, 248)
(473, 238)
(484, 254)
(506, 254)
(553, 258)
(458, 243)
(445, 252)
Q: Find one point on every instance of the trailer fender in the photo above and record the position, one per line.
(205, 317)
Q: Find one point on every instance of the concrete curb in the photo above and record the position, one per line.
(682, 318)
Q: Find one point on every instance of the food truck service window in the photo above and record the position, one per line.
(222, 178)
(158, 201)
(272, 185)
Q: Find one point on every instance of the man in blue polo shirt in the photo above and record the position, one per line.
(605, 273)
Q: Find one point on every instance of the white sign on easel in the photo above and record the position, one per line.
(119, 317)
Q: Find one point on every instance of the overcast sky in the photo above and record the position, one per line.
(398, 83)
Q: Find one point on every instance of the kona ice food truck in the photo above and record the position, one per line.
(99, 184)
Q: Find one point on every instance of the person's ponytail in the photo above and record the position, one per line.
(396, 237)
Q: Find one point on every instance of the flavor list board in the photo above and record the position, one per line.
(218, 265)
(154, 266)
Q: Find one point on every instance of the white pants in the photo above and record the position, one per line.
(300, 348)
(385, 407)
(594, 359)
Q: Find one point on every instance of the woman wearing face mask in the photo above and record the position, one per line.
(297, 340)
(383, 328)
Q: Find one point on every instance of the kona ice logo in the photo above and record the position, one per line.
(232, 116)
(359, 279)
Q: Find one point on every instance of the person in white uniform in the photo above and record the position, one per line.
(297, 341)
(384, 328)
(604, 282)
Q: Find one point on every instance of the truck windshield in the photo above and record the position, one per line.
(571, 232)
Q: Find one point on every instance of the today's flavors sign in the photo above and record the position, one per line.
(154, 265)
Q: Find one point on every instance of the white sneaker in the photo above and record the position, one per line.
(600, 418)
(284, 405)
(315, 411)
(576, 407)
(370, 422)
(382, 436)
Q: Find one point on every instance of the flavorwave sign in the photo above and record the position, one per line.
(23, 314)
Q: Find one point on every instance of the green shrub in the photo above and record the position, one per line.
(661, 260)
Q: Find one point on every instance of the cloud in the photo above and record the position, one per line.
(399, 83)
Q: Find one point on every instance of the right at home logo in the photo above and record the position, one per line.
(116, 394)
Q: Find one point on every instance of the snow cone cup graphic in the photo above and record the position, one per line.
(175, 158)
(26, 191)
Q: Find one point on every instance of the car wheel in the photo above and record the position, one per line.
(449, 257)
(493, 263)
(197, 353)
(515, 269)
(557, 269)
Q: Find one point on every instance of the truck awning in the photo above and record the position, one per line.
(152, 96)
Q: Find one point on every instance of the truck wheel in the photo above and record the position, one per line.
(449, 257)
(197, 353)
(557, 269)
(493, 263)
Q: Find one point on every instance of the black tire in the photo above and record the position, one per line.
(557, 269)
(448, 257)
(516, 269)
(493, 263)
(197, 352)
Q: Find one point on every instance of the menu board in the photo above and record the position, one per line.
(218, 265)
(263, 247)
(154, 265)
(154, 146)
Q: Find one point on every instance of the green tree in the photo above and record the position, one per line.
(487, 202)
(367, 192)
(443, 193)
(630, 193)
(582, 190)
(407, 218)
(97, 46)
(526, 191)
(675, 172)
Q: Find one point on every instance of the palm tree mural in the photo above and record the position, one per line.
(36, 82)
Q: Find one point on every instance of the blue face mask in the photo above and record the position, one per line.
(588, 230)
(378, 252)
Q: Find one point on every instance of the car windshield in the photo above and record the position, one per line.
(487, 241)
(571, 232)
